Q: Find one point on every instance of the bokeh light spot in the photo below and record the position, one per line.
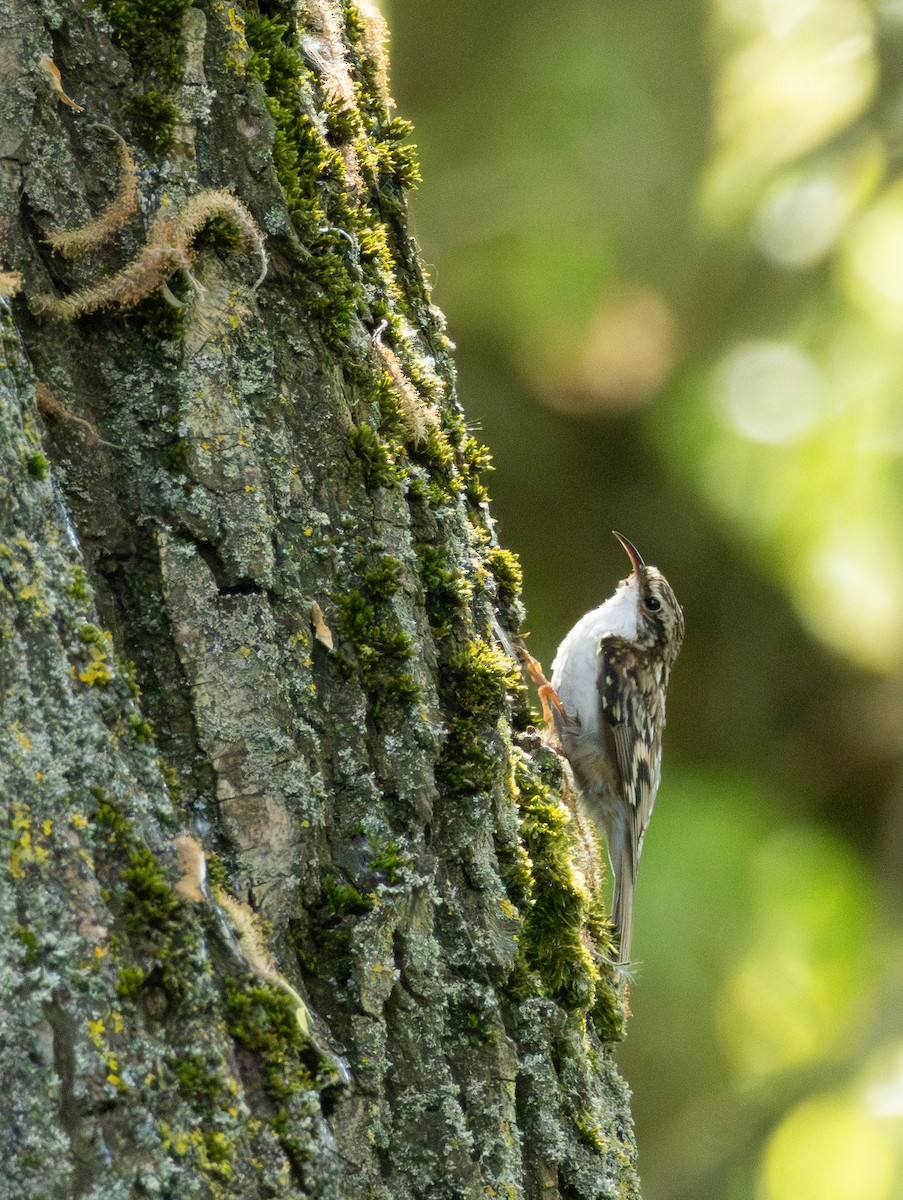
(770, 392)
(802, 72)
(873, 260)
(851, 593)
(828, 1149)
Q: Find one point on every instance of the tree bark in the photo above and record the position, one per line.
(291, 903)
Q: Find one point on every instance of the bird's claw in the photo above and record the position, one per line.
(547, 694)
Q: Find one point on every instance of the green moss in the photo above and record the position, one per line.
(483, 675)
(398, 161)
(219, 1149)
(388, 860)
(77, 588)
(476, 682)
(153, 117)
(446, 592)
(150, 32)
(552, 941)
(36, 464)
(151, 903)
(92, 636)
(197, 1080)
(380, 468)
(311, 172)
(382, 650)
(217, 875)
(174, 456)
(589, 1130)
(141, 728)
(384, 580)
(223, 235)
(171, 779)
(29, 940)
(340, 900)
(116, 827)
(159, 317)
(264, 1019)
(129, 981)
(507, 573)
(476, 459)
(436, 452)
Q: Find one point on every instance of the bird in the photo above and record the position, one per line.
(605, 707)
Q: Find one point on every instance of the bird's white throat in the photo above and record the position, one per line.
(619, 612)
(575, 666)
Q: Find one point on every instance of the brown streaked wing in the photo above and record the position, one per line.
(629, 730)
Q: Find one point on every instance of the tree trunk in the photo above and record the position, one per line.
(290, 904)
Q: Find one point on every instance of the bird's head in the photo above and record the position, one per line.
(659, 619)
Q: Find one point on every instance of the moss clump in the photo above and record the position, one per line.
(36, 464)
(476, 460)
(478, 679)
(155, 918)
(483, 677)
(28, 939)
(311, 172)
(174, 456)
(196, 1079)
(553, 943)
(264, 1019)
(380, 468)
(384, 580)
(446, 592)
(340, 900)
(383, 651)
(77, 587)
(589, 1130)
(150, 901)
(388, 860)
(160, 318)
(129, 981)
(507, 573)
(153, 116)
(150, 32)
(399, 161)
(223, 235)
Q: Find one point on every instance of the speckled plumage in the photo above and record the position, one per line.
(610, 676)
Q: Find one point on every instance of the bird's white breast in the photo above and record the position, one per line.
(576, 663)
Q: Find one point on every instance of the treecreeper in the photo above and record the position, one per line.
(605, 708)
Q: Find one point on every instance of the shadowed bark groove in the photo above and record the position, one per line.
(248, 578)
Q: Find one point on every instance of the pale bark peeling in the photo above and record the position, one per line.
(435, 1022)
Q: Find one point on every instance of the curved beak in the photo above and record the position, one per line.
(633, 554)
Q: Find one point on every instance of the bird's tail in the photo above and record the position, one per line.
(622, 905)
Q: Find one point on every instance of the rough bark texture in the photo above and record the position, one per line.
(247, 584)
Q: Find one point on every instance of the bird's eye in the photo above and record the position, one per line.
(652, 604)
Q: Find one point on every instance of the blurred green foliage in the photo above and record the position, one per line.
(669, 240)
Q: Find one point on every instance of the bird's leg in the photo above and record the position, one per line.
(547, 694)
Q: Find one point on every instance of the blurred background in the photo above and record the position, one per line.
(669, 240)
